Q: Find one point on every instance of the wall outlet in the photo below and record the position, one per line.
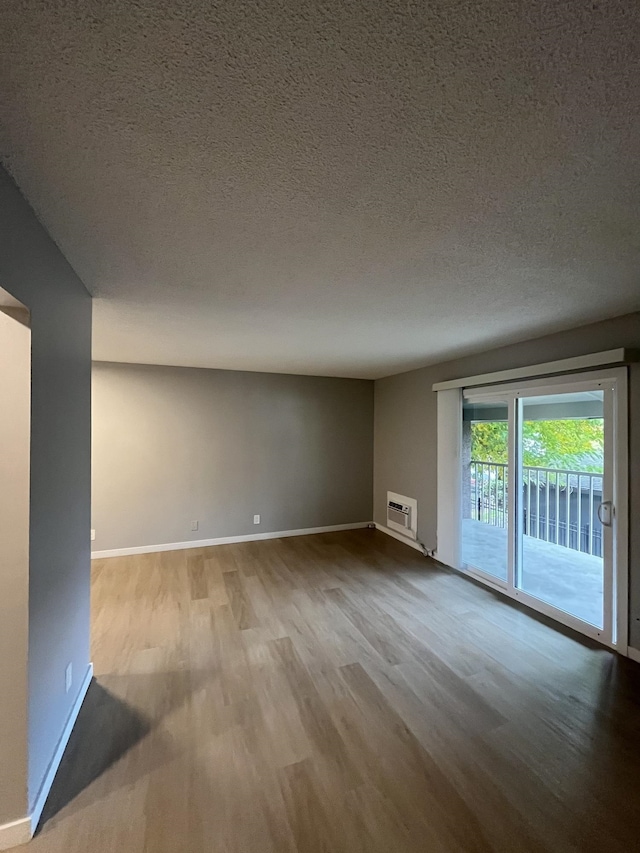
(256, 519)
(93, 535)
(194, 525)
(68, 677)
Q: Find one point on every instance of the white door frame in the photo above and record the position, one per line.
(613, 382)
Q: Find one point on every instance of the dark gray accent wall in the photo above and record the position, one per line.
(34, 271)
(172, 445)
(405, 426)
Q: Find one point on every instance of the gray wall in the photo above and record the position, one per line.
(405, 426)
(34, 271)
(171, 445)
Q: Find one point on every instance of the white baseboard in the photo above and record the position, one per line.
(45, 787)
(20, 831)
(634, 654)
(15, 833)
(224, 540)
(410, 542)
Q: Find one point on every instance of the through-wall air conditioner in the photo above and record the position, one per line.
(401, 514)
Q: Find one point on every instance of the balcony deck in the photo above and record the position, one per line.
(567, 579)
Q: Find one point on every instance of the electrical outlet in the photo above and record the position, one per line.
(256, 519)
(68, 677)
(194, 525)
(93, 535)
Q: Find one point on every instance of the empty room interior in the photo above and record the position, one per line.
(320, 435)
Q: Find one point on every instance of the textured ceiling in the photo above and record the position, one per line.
(332, 187)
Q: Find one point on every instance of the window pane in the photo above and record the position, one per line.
(562, 440)
(485, 445)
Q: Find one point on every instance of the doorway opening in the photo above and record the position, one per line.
(15, 452)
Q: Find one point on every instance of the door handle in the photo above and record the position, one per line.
(605, 513)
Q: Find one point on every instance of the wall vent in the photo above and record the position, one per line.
(402, 514)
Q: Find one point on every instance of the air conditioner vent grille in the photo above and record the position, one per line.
(400, 517)
(402, 514)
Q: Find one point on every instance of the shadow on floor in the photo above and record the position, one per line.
(106, 729)
(118, 714)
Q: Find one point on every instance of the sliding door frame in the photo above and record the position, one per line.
(613, 382)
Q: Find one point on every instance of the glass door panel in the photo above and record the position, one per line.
(559, 493)
(485, 487)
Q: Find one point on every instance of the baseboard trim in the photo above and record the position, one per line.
(20, 831)
(47, 782)
(634, 654)
(410, 542)
(224, 540)
(14, 833)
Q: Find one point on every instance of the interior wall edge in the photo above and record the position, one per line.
(34, 272)
(47, 782)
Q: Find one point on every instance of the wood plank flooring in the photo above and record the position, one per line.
(339, 693)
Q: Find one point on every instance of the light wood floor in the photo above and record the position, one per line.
(339, 693)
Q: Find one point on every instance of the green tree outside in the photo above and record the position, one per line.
(574, 445)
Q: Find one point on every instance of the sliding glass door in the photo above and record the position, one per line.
(561, 492)
(538, 497)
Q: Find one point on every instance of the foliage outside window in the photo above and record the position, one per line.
(568, 445)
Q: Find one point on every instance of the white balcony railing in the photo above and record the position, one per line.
(558, 506)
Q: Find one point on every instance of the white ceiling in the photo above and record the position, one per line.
(329, 186)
